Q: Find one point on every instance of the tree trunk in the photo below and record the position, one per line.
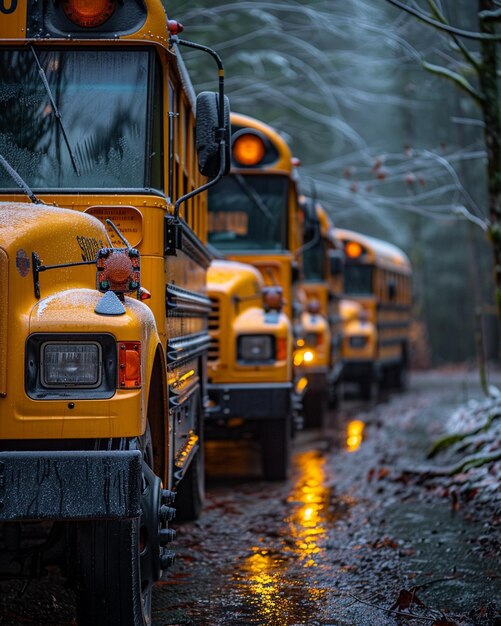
(492, 132)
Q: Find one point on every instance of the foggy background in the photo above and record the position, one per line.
(390, 149)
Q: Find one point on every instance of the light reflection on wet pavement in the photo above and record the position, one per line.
(264, 577)
(309, 551)
(334, 545)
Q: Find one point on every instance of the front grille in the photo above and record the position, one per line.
(4, 308)
(214, 329)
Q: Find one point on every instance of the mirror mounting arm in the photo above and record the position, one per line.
(220, 131)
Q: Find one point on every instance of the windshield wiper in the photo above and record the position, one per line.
(255, 197)
(55, 110)
(19, 180)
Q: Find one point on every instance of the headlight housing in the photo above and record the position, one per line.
(312, 340)
(70, 364)
(76, 366)
(358, 341)
(253, 349)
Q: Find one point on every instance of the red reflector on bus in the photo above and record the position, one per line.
(175, 27)
(89, 13)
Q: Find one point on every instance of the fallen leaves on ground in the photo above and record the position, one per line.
(406, 598)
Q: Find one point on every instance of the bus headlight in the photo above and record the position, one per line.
(308, 356)
(70, 364)
(256, 348)
(358, 341)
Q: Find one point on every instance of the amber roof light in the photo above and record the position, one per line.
(89, 13)
(353, 249)
(248, 149)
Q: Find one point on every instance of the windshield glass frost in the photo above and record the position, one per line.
(102, 100)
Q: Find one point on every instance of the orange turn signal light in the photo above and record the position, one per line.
(281, 348)
(129, 364)
(89, 13)
(248, 149)
(353, 249)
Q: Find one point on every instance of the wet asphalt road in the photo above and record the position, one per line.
(339, 543)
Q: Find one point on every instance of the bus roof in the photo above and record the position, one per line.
(381, 253)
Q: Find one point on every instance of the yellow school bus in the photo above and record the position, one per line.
(376, 342)
(249, 357)
(103, 324)
(322, 282)
(254, 218)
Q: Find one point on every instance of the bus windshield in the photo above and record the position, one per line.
(75, 119)
(358, 280)
(249, 212)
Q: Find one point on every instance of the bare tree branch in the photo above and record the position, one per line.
(462, 48)
(456, 78)
(490, 16)
(444, 27)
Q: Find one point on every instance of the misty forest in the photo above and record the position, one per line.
(383, 111)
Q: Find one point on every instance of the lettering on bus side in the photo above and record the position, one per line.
(89, 247)
(8, 6)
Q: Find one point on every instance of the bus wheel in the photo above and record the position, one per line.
(315, 409)
(191, 490)
(119, 561)
(276, 448)
(402, 377)
(110, 586)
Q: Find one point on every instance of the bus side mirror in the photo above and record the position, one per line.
(392, 290)
(336, 262)
(208, 134)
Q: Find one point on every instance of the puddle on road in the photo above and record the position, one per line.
(354, 435)
(288, 585)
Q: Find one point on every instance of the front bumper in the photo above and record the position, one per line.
(250, 402)
(353, 371)
(76, 485)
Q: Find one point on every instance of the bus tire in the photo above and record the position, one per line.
(402, 377)
(276, 448)
(315, 409)
(116, 567)
(109, 584)
(190, 493)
